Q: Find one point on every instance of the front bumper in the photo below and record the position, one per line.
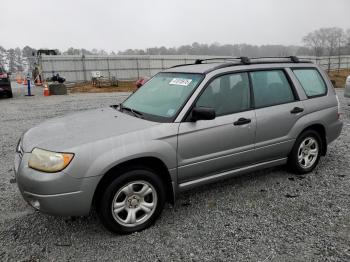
(54, 193)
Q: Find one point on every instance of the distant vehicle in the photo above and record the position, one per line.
(188, 126)
(347, 88)
(141, 81)
(5, 83)
(47, 52)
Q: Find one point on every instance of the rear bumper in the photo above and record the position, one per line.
(5, 87)
(5, 84)
(54, 193)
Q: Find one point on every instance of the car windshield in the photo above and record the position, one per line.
(160, 98)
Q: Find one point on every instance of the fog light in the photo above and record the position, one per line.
(35, 204)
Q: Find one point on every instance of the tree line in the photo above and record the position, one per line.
(321, 42)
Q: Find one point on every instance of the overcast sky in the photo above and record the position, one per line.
(121, 24)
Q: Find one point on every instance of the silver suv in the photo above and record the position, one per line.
(187, 126)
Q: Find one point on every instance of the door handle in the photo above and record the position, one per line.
(242, 121)
(297, 110)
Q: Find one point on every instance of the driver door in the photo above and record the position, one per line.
(209, 147)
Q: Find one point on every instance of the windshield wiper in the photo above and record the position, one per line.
(133, 111)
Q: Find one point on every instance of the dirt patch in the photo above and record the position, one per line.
(122, 86)
(339, 77)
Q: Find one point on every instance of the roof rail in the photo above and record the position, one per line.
(265, 60)
(293, 59)
(243, 60)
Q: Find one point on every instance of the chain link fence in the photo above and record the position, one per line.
(121, 67)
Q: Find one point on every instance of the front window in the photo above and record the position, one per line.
(160, 98)
(227, 94)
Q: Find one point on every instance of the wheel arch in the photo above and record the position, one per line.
(153, 163)
(321, 130)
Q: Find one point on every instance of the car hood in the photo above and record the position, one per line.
(61, 133)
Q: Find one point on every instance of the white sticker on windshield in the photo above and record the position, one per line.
(180, 81)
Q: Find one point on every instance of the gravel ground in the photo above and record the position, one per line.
(270, 215)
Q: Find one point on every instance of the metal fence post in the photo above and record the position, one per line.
(116, 67)
(84, 68)
(52, 67)
(109, 72)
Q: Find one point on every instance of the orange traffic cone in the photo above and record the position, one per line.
(46, 91)
(18, 79)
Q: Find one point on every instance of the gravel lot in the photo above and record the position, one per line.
(271, 215)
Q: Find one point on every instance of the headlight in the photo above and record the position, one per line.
(48, 161)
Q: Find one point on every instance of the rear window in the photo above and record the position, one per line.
(311, 81)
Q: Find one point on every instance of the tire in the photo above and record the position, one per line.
(137, 197)
(9, 94)
(306, 152)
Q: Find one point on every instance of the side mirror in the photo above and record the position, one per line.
(203, 113)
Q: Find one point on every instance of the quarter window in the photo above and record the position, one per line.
(311, 81)
(271, 88)
(227, 94)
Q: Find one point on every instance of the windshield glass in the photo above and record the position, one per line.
(161, 97)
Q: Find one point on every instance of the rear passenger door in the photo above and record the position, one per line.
(277, 110)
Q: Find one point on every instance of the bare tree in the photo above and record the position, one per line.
(27, 51)
(315, 41)
(19, 61)
(11, 58)
(333, 39)
(347, 42)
